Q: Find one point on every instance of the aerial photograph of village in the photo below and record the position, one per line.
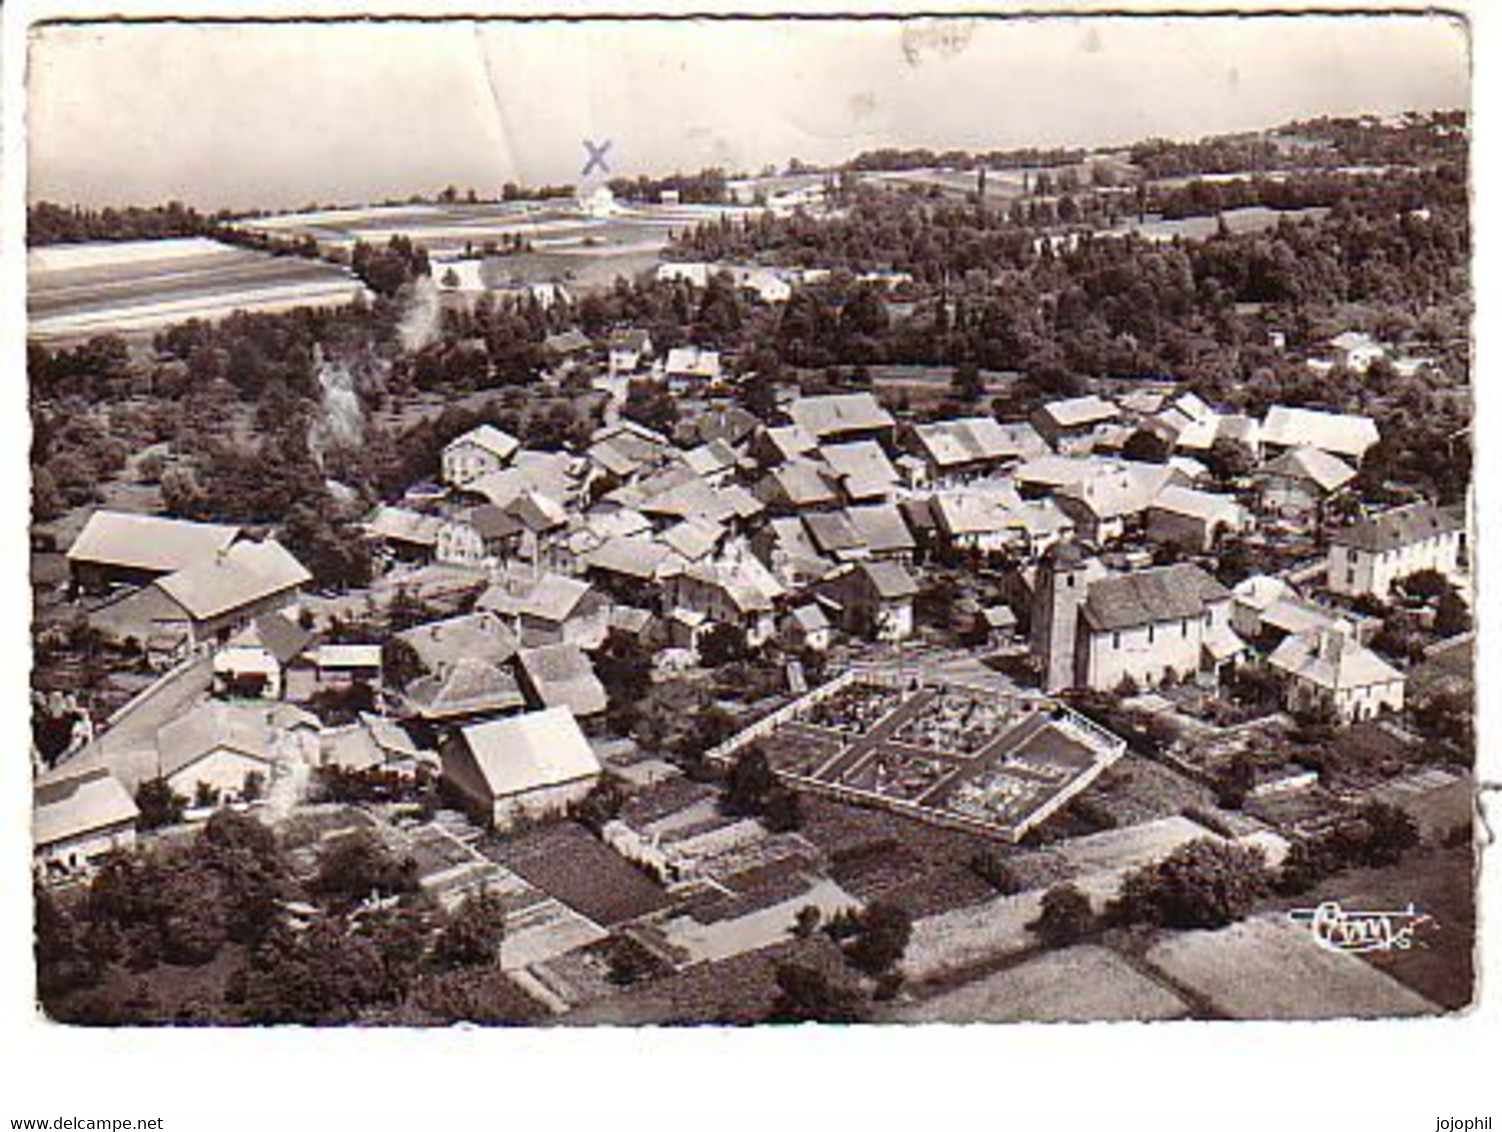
(886, 536)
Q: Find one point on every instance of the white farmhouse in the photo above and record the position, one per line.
(479, 451)
(1329, 669)
(79, 817)
(1366, 559)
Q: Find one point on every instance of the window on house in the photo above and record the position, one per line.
(1150, 633)
(1115, 640)
(1350, 577)
(1185, 627)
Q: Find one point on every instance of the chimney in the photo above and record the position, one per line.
(1333, 639)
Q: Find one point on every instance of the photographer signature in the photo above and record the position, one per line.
(1338, 929)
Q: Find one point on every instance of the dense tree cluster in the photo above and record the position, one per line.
(753, 790)
(386, 270)
(354, 935)
(897, 160)
(707, 186)
(1203, 884)
(1375, 836)
(48, 223)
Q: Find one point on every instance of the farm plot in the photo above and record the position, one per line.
(1079, 984)
(1270, 967)
(1256, 218)
(79, 290)
(566, 242)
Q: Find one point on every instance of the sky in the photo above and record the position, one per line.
(282, 115)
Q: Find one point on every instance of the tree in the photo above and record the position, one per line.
(1378, 835)
(966, 383)
(472, 937)
(158, 804)
(62, 964)
(651, 404)
(996, 872)
(1065, 916)
(1229, 461)
(1203, 884)
(356, 866)
(817, 988)
(783, 812)
(1451, 615)
(1146, 446)
(1234, 781)
(192, 916)
(881, 934)
(400, 663)
(750, 783)
(600, 806)
(326, 973)
(252, 873)
(253, 787)
(722, 644)
(807, 921)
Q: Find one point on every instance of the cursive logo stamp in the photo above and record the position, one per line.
(1339, 929)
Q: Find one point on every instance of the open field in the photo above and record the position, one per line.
(1270, 967)
(447, 229)
(78, 290)
(1440, 883)
(946, 945)
(1238, 220)
(1079, 984)
(737, 991)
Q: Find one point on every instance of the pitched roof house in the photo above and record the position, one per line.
(121, 547)
(1368, 557)
(1344, 434)
(1329, 669)
(1300, 479)
(468, 688)
(561, 675)
(842, 416)
(1105, 503)
(77, 818)
(968, 446)
(218, 744)
(404, 533)
(482, 449)
(1068, 424)
(442, 644)
(1192, 519)
(213, 597)
(691, 365)
(531, 765)
(862, 470)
